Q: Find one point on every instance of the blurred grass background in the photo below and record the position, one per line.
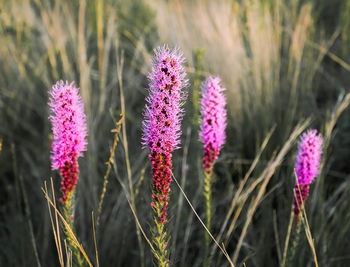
(281, 62)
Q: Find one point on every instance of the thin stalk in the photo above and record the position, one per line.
(100, 46)
(308, 233)
(84, 69)
(266, 175)
(242, 184)
(30, 224)
(208, 180)
(188, 229)
(127, 196)
(94, 234)
(116, 131)
(19, 178)
(286, 243)
(302, 216)
(68, 214)
(196, 84)
(120, 64)
(237, 196)
(55, 225)
(295, 243)
(183, 183)
(66, 224)
(222, 248)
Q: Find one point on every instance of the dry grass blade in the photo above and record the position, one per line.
(100, 52)
(55, 228)
(84, 69)
(242, 199)
(306, 224)
(116, 131)
(27, 212)
(333, 56)
(140, 227)
(286, 243)
(309, 237)
(266, 175)
(183, 179)
(222, 248)
(66, 225)
(30, 224)
(242, 184)
(120, 65)
(94, 233)
(133, 211)
(69, 260)
(342, 104)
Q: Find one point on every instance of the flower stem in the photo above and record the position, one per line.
(159, 236)
(161, 165)
(295, 242)
(207, 194)
(68, 216)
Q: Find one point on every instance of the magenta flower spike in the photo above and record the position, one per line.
(161, 133)
(307, 166)
(213, 126)
(69, 133)
(163, 115)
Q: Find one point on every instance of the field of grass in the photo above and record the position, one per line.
(286, 67)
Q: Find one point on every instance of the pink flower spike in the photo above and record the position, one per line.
(308, 158)
(213, 125)
(161, 134)
(69, 131)
(307, 167)
(163, 115)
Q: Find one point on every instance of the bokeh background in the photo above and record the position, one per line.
(282, 62)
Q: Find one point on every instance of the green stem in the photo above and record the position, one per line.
(159, 238)
(207, 194)
(295, 242)
(68, 216)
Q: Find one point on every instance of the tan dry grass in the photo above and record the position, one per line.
(243, 44)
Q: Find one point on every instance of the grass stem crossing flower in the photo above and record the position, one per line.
(307, 166)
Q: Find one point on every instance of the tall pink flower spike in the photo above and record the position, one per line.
(161, 133)
(213, 126)
(307, 166)
(69, 131)
(161, 126)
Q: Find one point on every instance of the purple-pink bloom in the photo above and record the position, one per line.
(308, 158)
(69, 132)
(307, 166)
(213, 125)
(163, 115)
